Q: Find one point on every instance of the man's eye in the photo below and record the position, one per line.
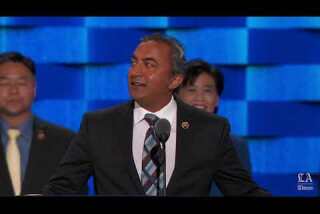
(150, 65)
(22, 83)
(4, 83)
(133, 62)
(191, 89)
(208, 90)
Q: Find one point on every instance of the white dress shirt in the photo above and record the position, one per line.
(140, 128)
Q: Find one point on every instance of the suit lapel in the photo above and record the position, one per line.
(125, 124)
(183, 138)
(37, 143)
(5, 181)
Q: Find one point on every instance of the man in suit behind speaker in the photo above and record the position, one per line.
(114, 145)
(30, 147)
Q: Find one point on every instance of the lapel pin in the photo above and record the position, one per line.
(41, 135)
(185, 125)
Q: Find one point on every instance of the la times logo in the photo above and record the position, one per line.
(305, 182)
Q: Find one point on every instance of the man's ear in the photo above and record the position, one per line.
(35, 90)
(218, 100)
(215, 110)
(175, 81)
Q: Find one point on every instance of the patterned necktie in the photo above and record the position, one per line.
(13, 160)
(150, 162)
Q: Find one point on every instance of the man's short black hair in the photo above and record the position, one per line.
(177, 50)
(17, 57)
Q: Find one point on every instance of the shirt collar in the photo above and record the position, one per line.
(167, 112)
(25, 128)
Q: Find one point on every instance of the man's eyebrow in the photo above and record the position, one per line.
(133, 57)
(150, 59)
(209, 85)
(19, 77)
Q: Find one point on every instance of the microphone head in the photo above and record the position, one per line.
(162, 129)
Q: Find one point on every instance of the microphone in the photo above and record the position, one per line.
(162, 130)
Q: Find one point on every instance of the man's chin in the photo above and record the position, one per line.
(139, 100)
(142, 101)
(137, 96)
(11, 112)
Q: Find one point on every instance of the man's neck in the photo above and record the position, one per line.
(154, 106)
(17, 120)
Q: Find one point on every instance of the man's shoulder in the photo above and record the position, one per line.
(46, 126)
(109, 113)
(200, 116)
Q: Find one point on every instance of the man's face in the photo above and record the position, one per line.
(150, 77)
(17, 89)
(202, 94)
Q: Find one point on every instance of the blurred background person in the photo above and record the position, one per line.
(30, 148)
(202, 87)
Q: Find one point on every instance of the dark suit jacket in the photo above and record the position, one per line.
(242, 150)
(49, 143)
(103, 148)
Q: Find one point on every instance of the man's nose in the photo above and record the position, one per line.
(13, 88)
(137, 69)
(199, 96)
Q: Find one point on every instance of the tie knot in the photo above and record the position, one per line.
(151, 119)
(13, 134)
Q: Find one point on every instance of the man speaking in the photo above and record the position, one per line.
(118, 145)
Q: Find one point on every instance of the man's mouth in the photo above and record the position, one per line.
(200, 107)
(138, 83)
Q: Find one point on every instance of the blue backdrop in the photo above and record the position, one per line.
(271, 67)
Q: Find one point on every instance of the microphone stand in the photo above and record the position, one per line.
(160, 161)
(163, 191)
(162, 135)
